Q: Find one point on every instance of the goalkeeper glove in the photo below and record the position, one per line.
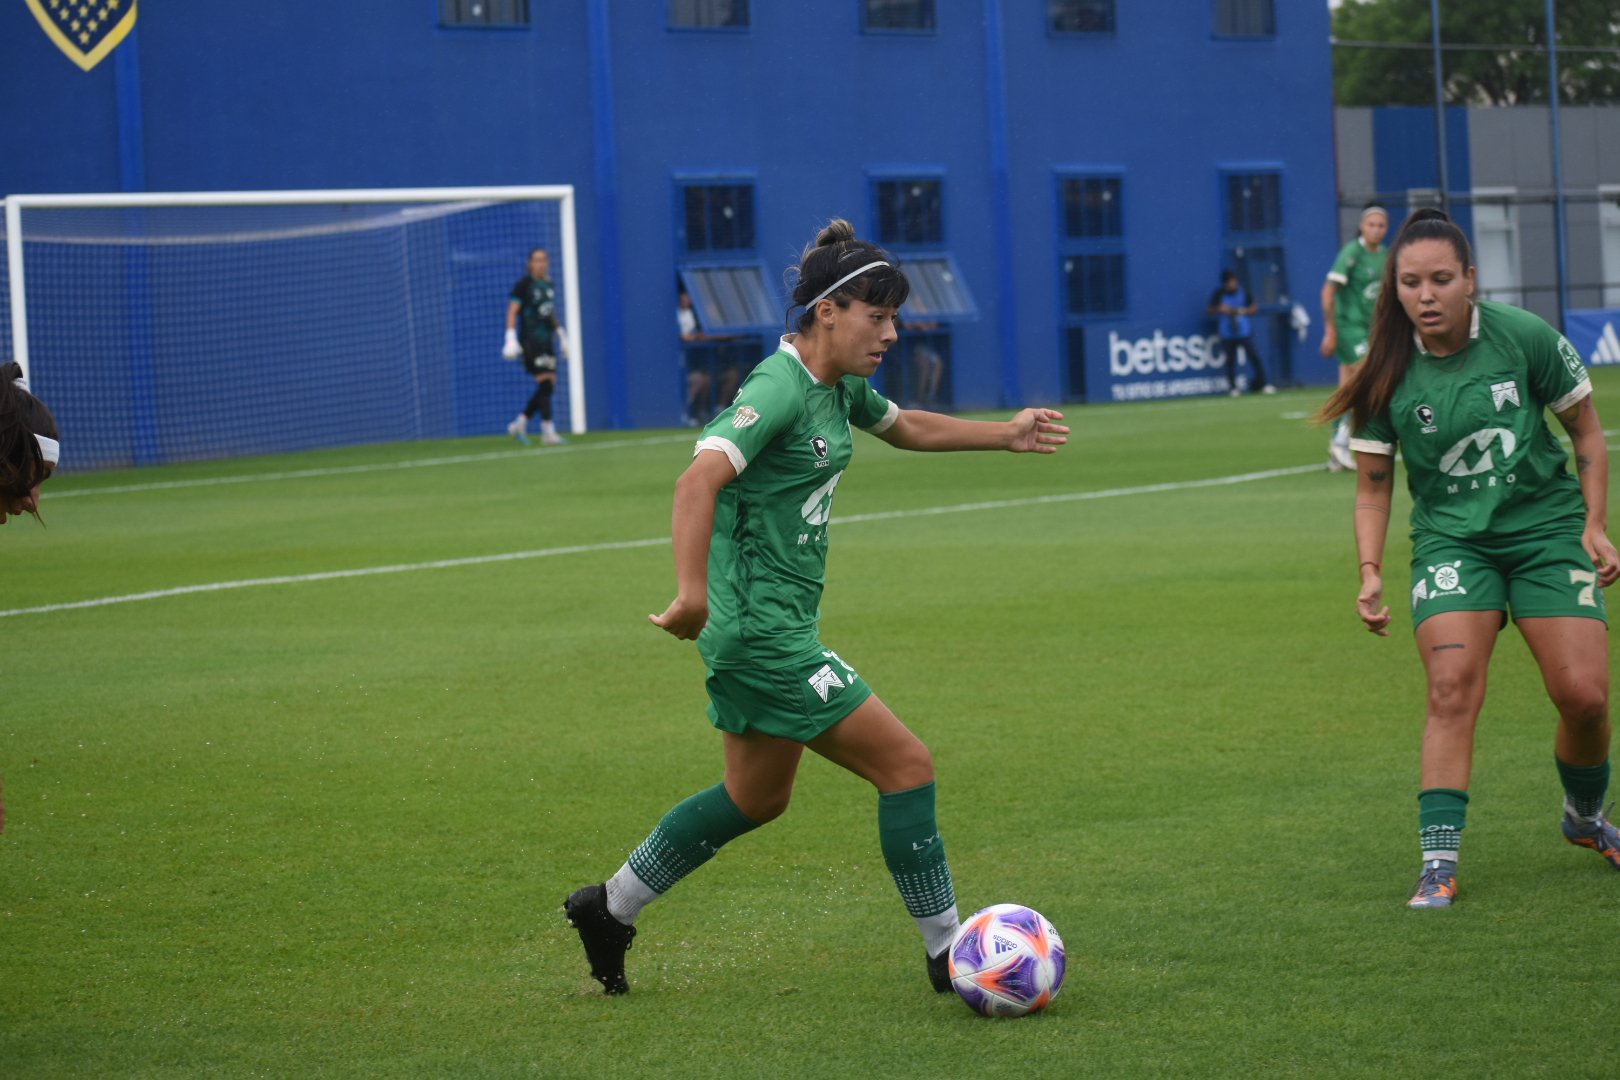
(511, 350)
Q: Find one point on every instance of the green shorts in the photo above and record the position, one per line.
(796, 702)
(1530, 578)
(1352, 347)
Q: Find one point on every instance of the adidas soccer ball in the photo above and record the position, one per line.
(1007, 960)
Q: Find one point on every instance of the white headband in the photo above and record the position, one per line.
(1373, 210)
(49, 449)
(846, 279)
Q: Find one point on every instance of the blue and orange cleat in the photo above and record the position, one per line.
(1600, 836)
(1437, 888)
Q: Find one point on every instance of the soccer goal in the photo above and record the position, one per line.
(189, 326)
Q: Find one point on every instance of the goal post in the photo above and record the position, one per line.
(183, 326)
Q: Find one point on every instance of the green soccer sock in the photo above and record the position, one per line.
(915, 855)
(687, 837)
(1442, 813)
(1584, 788)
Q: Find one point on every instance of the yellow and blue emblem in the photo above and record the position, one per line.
(85, 30)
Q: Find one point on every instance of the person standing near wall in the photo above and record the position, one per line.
(1231, 305)
(534, 333)
(1500, 527)
(1348, 298)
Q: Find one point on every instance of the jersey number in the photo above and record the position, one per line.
(1588, 578)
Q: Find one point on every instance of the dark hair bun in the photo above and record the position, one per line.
(1429, 213)
(836, 232)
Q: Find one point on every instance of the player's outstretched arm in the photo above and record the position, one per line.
(691, 526)
(1032, 431)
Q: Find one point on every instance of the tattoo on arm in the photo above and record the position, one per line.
(1582, 463)
(1377, 476)
(1451, 645)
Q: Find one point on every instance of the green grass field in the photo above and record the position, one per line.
(308, 805)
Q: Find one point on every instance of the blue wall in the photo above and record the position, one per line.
(307, 94)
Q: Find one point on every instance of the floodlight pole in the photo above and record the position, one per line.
(1439, 107)
(1560, 224)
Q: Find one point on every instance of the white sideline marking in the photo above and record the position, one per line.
(623, 545)
(387, 466)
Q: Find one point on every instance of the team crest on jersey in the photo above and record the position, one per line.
(825, 682)
(1503, 393)
(1425, 417)
(1570, 357)
(819, 446)
(1447, 579)
(744, 416)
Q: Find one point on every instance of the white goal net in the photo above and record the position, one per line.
(183, 327)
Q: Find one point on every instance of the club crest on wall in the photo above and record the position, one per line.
(85, 30)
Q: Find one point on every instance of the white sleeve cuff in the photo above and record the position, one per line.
(1370, 446)
(888, 420)
(1338, 279)
(1583, 389)
(726, 447)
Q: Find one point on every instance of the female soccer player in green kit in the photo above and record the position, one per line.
(1348, 297)
(1499, 525)
(750, 536)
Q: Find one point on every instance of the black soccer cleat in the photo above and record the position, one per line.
(605, 938)
(939, 971)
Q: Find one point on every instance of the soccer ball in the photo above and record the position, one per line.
(1007, 960)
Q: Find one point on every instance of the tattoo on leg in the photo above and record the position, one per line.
(1449, 645)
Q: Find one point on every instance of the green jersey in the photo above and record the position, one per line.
(537, 315)
(1480, 459)
(1359, 273)
(788, 436)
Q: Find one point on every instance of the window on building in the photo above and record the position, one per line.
(937, 289)
(897, 14)
(719, 216)
(1609, 229)
(908, 212)
(1094, 284)
(1496, 245)
(1080, 16)
(1253, 202)
(719, 266)
(1074, 340)
(1092, 249)
(1252, 234)
(1245, 18)
(708, 14)
(1091, 208)
(483, 13)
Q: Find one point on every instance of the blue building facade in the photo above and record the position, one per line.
(1065, 180)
